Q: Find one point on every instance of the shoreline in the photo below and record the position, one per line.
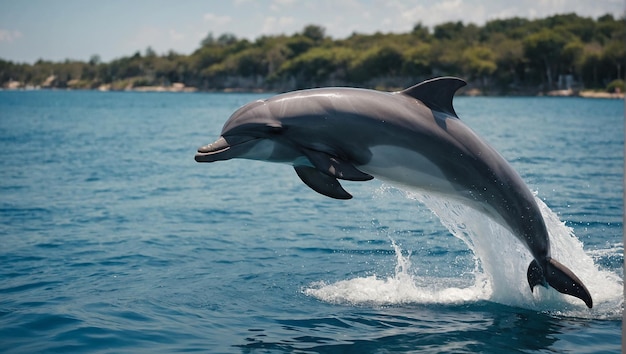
(180, 88)
(586, 94)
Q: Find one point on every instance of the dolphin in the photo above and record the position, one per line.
(412, 138)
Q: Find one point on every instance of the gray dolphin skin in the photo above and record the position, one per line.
(411, 138)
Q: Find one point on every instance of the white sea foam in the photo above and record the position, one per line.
(400, 288)
(501, 261)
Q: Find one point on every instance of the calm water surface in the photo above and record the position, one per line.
(114, 240)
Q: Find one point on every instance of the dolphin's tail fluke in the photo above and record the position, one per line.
(560, 278)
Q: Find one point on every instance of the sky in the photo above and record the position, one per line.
(78, 29)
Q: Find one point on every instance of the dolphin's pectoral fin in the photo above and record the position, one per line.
(560, 278)
(336, 167)
(321, 182)
(436, 93)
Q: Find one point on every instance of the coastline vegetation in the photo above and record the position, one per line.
(514, 56)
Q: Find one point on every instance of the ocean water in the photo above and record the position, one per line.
(114, 240)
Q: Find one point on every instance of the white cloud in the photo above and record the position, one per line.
(414, 15)
(281, 5)
(217, 19)
(448, 11)
(176, 36)
(240, 3)
(145, 37)
(449, 6)
(9, 35)
(277, 25)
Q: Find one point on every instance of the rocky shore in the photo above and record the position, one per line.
(586, 94)
(49, 83)
(175, 87)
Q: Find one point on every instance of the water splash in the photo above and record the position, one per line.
(501, 261)
(401, 288)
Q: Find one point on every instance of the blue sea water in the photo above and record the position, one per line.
(114, 240)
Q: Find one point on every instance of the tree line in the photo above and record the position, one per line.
(504, 56)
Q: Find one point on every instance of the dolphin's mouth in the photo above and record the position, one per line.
(224, 149)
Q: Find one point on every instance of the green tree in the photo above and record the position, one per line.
(150, 53)
(509, 58)
(314, 33)
(590, 64)
(544, 51)
(514, 52)
(317, 66)
(513, 28)
(445, 58)
(615, 51)
(571, 54)
(421, 32)
(479, 62)
(376, 62)
(298, 45)
(208, 41)
(226, 39)
(448, 30)
(417, 60)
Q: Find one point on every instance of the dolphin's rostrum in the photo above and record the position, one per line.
(412, 138)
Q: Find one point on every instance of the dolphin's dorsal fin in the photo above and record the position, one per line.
(436, 93)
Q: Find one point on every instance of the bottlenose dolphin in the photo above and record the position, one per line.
(412, 137)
